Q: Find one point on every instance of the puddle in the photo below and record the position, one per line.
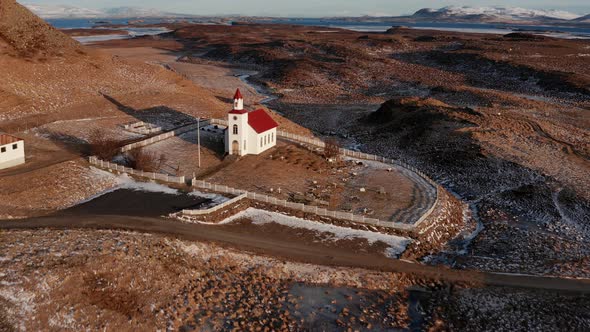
(128, 202)
(321, 306)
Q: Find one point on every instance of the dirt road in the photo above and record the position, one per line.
(294, 251)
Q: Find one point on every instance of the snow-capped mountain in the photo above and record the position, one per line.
(63, 11)
(136, 12)
(498, 13)
(583, 19)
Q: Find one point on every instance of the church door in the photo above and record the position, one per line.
(235, 147)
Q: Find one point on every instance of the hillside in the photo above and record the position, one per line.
(583, 19)
(48, 76)
(28, 35)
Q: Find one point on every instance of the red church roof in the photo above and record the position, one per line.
(238, 95)
(260, 121)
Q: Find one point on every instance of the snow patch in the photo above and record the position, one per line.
(515, 13)
(124, 181)
(216, 199)
(24, 304)
(397, 244)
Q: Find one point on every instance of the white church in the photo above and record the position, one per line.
(248, 132)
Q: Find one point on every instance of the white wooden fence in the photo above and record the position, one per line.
(150, 175)
(302, 207)
(359, 155)
(269, 199)
(215, 208)
(345, 152)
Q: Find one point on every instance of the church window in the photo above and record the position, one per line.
(272, 137)
(235, 129)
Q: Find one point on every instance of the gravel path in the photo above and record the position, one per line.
(296, 251)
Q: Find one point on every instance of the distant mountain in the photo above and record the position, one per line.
(583, 19)
(63, 11)
(492, 14)
(137, 12)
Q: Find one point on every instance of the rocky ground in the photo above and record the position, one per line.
(188, 284)
(110, 280)
(500, 121)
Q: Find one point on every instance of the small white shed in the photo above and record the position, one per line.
(12, 151)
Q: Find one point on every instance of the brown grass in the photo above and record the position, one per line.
(102, 146)
(145, 160)
(332, 149)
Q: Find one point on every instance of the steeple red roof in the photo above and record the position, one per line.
(238, 112)
(238, 95)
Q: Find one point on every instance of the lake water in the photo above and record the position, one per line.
(126, 32)
(79, 23)
(560, 32)
(554, 31)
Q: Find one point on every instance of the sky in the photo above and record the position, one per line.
(311, 8)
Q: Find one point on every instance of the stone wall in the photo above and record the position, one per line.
(219, 215)
(442, 225)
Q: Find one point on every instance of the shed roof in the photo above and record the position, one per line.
(7, 139)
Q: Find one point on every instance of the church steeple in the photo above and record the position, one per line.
(238, 101)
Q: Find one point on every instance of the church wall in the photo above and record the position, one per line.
(270, 142)
(243, 132)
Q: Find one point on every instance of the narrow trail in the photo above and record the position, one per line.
(294, 250)
(570, 148)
